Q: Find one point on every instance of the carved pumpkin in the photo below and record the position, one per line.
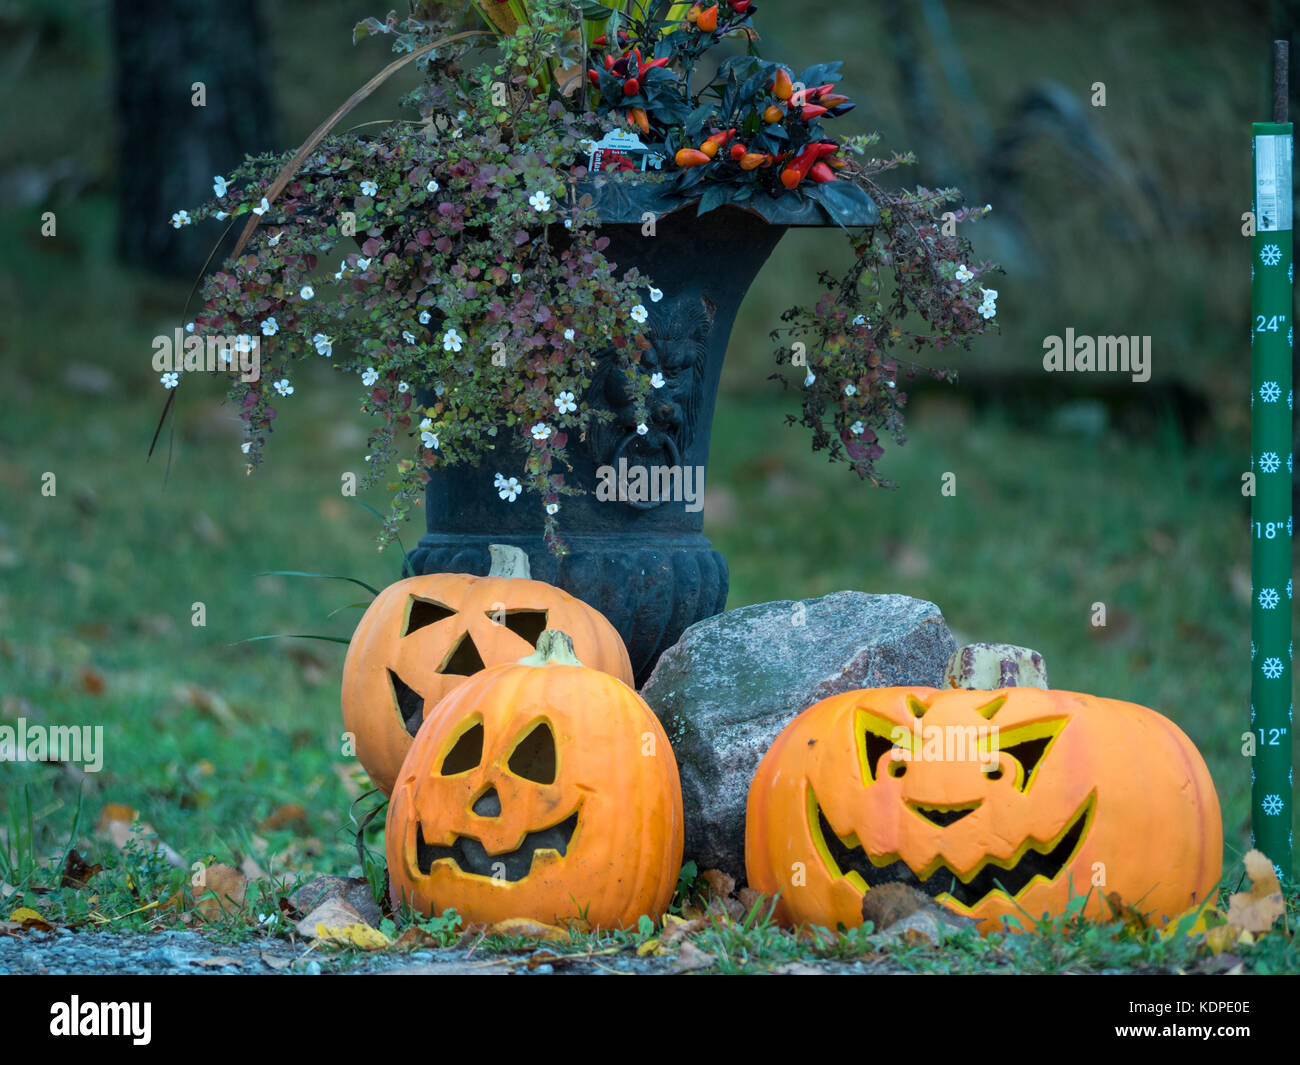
(992, 802)
(425, 636)
(543, 790)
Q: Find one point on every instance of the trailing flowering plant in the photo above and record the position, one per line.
(455, 262)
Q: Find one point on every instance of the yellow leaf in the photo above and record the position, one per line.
(25, 913)
(651, 947)
(1220, 938)
(358, 935)
(523, 926)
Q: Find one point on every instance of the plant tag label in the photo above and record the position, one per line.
(620, 151)
(1272, 183)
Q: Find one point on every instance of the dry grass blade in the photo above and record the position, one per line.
(291, 167)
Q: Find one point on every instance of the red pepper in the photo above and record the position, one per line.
(821, 173)
(603, 39)
(832, 99)
(689, 157)
(631, 87)
(609, 62)
(594, 76)
(818, 91)
(811, 111)
(740, 6)
(737, 150)
(803, 162)
(661, 62)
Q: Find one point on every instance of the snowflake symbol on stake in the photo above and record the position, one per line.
(1269, 462)
(1270, 392)
(1252, 650)
(1268, 598)
(1272, 668)
(1270, 255)
(1288, 589)
(1272, 805)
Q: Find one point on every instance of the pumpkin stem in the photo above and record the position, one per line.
(509, 561)
(989, 666)
(553, 648)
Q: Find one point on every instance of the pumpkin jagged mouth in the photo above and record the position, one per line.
(470, 856)
(1035, 860)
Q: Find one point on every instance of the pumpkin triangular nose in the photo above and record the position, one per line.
(488, 804)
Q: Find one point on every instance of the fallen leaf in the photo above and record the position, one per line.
(214, 963)
(206, 702)
(690, 958)
(290, 816)
(720, 885)
(1134, 920)
(251, 869)
(92, 680)
(333, 913)
(650, 947)
(749, 898)
(29, 920)
(115, 811)
(77, 871)
(275, 961)
(1255, 911)
(799, 968)
(356, 935)
(677, 928)
(523, 926)
(415, 938)
(222, 891)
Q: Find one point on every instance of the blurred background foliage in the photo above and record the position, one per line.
(1071, 491)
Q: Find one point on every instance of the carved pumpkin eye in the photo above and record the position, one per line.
(466, 752)
(534, 756)
(526, 624)
(410, 703)
(424, 612)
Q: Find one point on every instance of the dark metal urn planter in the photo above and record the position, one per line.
(645, 565)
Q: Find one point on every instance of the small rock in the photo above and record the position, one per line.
(923, 923)
(354, 891)
(885, 905)
(732, 682)
(989, 666)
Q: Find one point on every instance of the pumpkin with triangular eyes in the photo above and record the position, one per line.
(543, 790)
(424, 636)
(994, 803)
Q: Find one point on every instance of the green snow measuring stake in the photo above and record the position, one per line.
(1270, 512)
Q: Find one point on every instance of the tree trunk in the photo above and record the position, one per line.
(174, 135)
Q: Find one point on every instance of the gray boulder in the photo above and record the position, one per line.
(732, 682)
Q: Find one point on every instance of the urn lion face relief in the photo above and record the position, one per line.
(639, 558)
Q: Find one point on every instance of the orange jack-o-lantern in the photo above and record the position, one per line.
(424, 636)
(543, 790)
(992, 802)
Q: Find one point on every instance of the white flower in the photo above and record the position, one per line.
(170, 380)
(408, 336)
(180, 218)
(565, 403)
(339, 275)
(189, 327)
(569, 334)
(363, 264)
(552, 508)
(639, 313)
(516, 278)
(324, 345)
(427, 436)
(861, 319)
(369, 376)
(402, 386)
(451, 340)
(432, 186)
(369, 188)
(987, 310)
(307, 292)
(541, 431)
(262, 207)
(990, 295)
(283, 387)
(273, 240)
(270, 327)
(656, 380)
(220, 215)
(508, 489)
(219, 187)
(424, 317)
(245, 446)
(807, 381)
(656, 294)
(243, 343)
(540, 201)
(568, 224)
(856, 428)
(963, 274)
(850, 390)
(498, 480)
(642, 429)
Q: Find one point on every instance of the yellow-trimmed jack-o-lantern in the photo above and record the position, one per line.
(541, 789)
(993, 802)
(424, 636)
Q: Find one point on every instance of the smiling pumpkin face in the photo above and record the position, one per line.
(543, 791)
(422, 637)
(988, 801)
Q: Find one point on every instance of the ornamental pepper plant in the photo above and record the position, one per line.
(453, 263)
